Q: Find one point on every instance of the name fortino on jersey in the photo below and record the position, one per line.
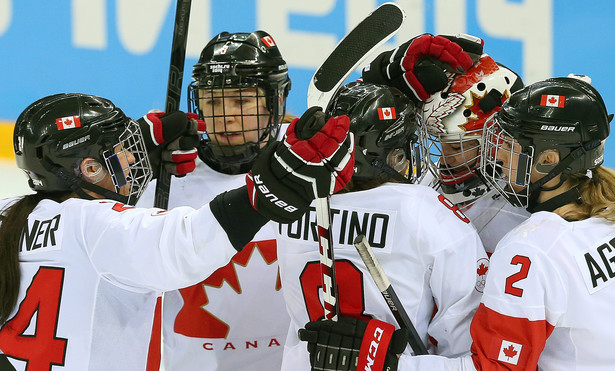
(347, 224)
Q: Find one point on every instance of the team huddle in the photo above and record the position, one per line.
(484, 202)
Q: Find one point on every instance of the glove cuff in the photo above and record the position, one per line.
(375, 345)
(228, 208)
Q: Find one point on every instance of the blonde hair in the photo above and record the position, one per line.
(597, 194)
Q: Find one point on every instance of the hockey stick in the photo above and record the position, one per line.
(386, 289)
(373, 31)
(174, 89)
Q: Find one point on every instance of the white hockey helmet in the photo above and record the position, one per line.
(454, 120)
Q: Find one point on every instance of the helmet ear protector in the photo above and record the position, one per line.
(388, 140)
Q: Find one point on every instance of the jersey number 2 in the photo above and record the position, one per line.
(43, 348)
(522, 274)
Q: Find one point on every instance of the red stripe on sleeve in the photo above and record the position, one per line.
(506, 343)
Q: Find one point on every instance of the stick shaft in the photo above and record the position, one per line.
(388, 293)
(174, 89)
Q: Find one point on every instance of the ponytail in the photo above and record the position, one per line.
(13, 219)
(597, 189)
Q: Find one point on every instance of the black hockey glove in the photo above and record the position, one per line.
(172, 139)
(352, 344)
(315, 159)
(419, 66)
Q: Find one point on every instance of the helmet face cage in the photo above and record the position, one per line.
(506, 165)
(454, 121)
(239, 89)
(128, 164)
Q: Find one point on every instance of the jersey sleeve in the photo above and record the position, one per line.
(524, 299)
(152, 249)
(459, 266)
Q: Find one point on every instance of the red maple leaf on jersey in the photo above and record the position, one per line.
(482, 270)
(510, 352)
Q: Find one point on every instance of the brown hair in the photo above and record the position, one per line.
(597, 193)
(13, 219)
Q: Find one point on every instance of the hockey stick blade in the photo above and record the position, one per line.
(373, 31)
(386, 289)
(380, 25)
(174, 90)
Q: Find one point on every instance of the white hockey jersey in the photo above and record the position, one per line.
(547, 303)
(235, 319)
(432, 255)
(493, 217)
(90, 275)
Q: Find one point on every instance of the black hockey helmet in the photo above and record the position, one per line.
(229, 64)
(388, 139)
(563, 114)
(54, 134)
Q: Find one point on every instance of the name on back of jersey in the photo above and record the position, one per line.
(376, 225)
(40, 235)
(597, 266)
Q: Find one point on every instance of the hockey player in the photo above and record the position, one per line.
(431, 252)
(454, 119)
(547, 297)
(239, 88)
(81, 268)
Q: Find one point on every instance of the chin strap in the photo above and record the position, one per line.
(388, 172)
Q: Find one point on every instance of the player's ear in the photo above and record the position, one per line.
(92, 170)
(547, 160)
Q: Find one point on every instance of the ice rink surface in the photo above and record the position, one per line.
(12, 180)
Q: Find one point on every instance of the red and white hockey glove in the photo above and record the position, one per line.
(419, 66)
(315, 159)
(173, 140)
(352, 344)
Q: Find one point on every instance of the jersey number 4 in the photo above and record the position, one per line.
(42, 348)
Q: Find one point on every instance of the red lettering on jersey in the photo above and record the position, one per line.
(496, 337)
(119, 207)
(273, 342)
(208, 346)
(252, 345)
(454, 208)
(229, 346)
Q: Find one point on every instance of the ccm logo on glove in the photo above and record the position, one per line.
(255, 180)
(381, 333)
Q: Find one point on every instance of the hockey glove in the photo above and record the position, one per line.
(419, 66)
(315, 159)
(352, 344)
(172, 140)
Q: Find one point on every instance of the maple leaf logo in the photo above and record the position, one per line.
(552, 100)
(434, 112)
(482, 269)
(510, 352)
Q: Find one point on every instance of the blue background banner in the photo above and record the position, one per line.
(120, 49)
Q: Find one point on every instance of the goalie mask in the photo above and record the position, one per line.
(454, 120)
(388, 142)
(54, 134)
(239, 89)
(566, 115)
